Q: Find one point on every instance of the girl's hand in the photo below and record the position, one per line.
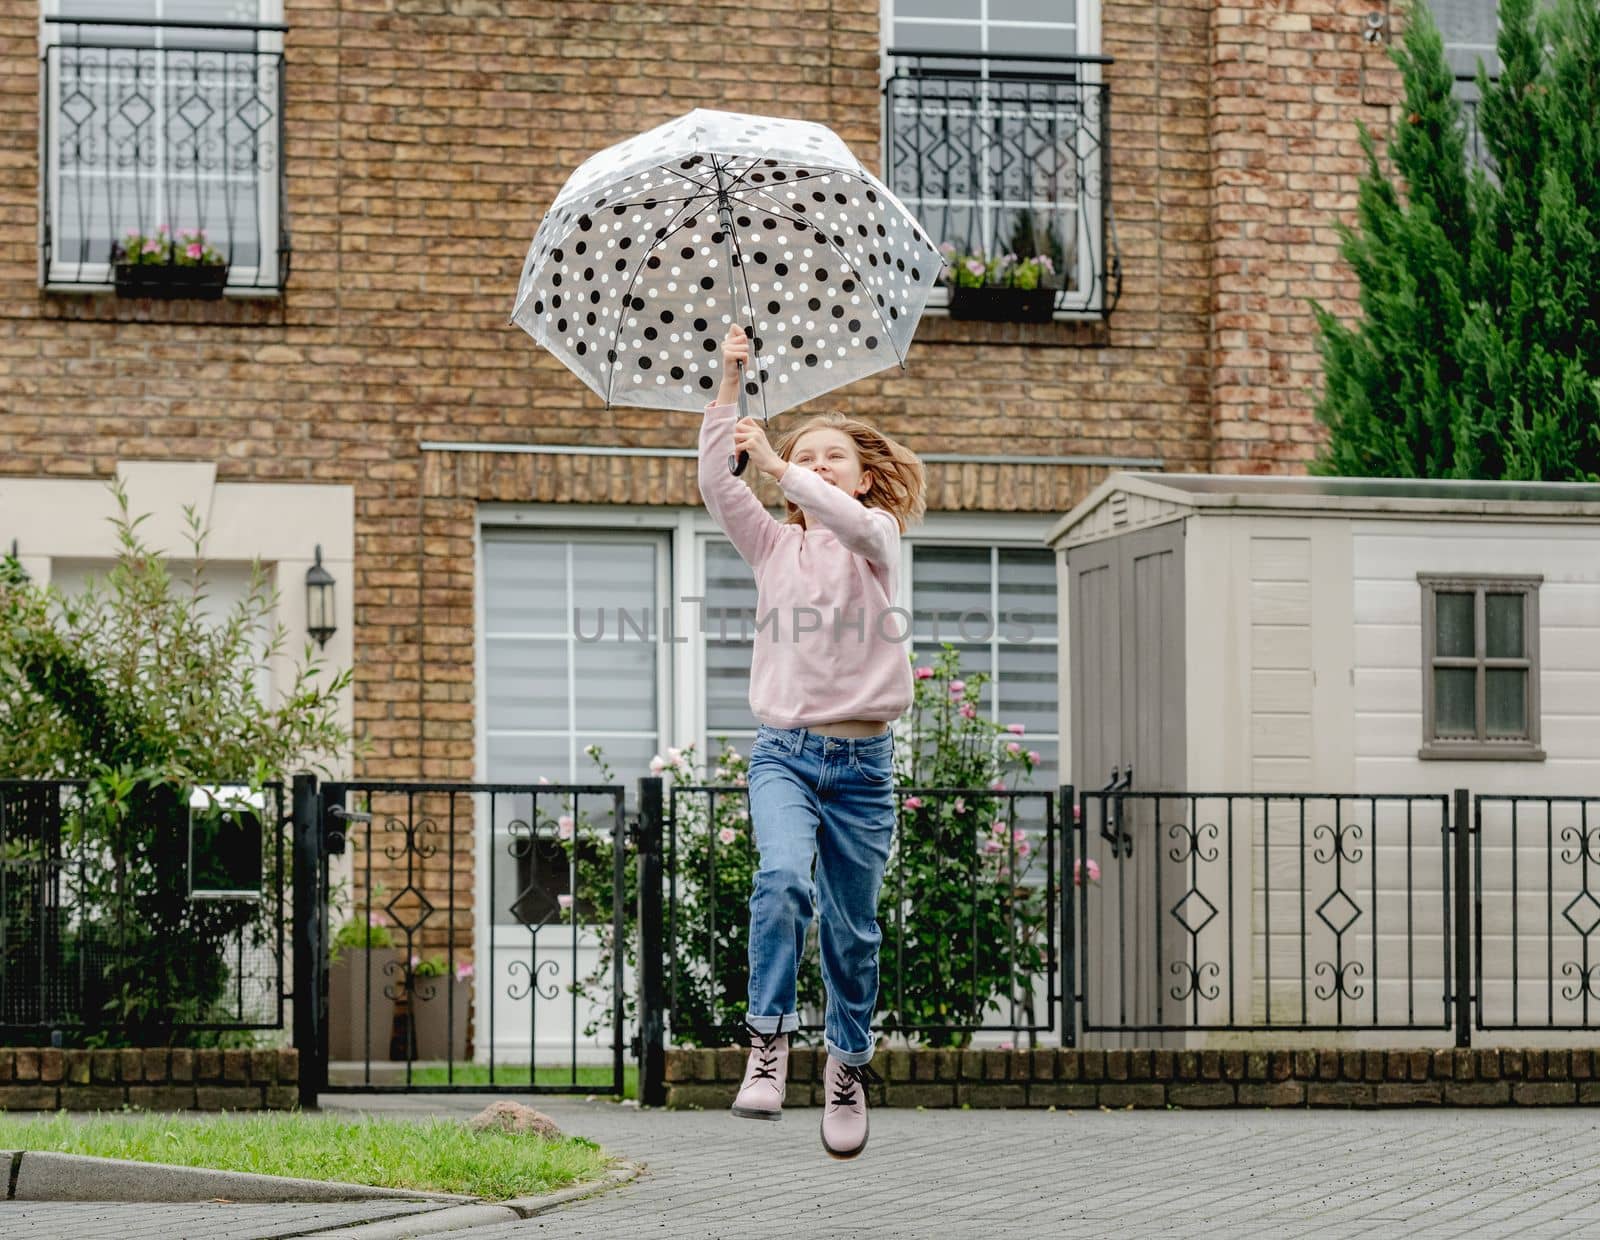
(735, 353)
(749, 436)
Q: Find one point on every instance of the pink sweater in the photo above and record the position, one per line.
(826, 646)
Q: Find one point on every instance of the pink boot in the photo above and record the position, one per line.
(844, 1115)
(766, 1076)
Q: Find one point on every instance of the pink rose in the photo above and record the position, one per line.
(968, 711)
(991, 847)
(956, 686)
(998, 785)
(657, 765)
(1024, 848)
(564, 826)
(543, 779)
(1013, 748)
(727, 835)
(1015, 729)
(961, 805)
(1035, 757)
(195, 249)
(923, 673)
(564, 901)
(1077, 872)
(998, 827)
(913, 802)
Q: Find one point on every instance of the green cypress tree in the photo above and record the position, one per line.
(1477, 354)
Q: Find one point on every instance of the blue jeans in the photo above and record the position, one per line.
(830, 801)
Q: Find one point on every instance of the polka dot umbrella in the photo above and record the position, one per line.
(654, 246)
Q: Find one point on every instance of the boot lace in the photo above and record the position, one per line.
(849, 1079)
(765, 1046)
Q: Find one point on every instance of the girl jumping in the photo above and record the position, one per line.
(828, 677)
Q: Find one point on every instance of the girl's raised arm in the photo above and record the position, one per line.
(872, 533)
(732, 504)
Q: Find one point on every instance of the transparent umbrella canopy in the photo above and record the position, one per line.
(656, 245)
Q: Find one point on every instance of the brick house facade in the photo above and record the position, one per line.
(421, 142)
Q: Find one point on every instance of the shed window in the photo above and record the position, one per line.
(1480, 655)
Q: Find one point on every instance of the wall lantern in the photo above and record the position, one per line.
(319, 602)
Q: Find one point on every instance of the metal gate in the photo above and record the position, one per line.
(465, 937)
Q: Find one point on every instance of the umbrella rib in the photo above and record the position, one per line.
(813, 228)
(627, 293)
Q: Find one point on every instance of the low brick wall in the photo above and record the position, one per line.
(1054, 1077)
(153, 1080)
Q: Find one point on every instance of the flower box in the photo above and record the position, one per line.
(1002, 304)
(170, 281)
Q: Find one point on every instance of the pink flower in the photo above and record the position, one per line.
(1077, 812)
(1015, 729)
(162, 229)
(998, 827)
(1044, 261)
(727, 835)
(1035, 757)
(968, 711)
(1077, 872)
(913, 802)
(1024, 848)
(947, 248)
(464, 971)
(674, 756)
(1013, 748)
(564, 826)
(923, 673)
(657, 765)
(195, 249)
(1019, 835)
(961, 805)
(998, 785)
(377, 919)
(564, 901)
(152, 246)
(974, 266)
(991, 846)
(956, 686)
(543, 780)
(1007, 1046)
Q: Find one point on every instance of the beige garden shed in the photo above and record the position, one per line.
(1346, 653)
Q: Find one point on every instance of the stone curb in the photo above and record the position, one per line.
(37, 1175)
(461, 1218)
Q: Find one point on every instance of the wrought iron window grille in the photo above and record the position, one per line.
(152, 124)
(993, 152)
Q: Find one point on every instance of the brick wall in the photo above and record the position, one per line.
(1057, 1077)
(1291, 83)
(151, 1080)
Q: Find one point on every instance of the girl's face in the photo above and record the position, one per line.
(831, 455)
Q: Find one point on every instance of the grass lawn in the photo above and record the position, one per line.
(595, 1078)
(439, 1155)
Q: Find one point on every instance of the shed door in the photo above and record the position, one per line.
(1128, 708)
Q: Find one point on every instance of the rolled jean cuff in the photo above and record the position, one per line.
(787, 1023)
(855, 1059)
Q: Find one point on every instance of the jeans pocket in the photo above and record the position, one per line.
(875, 769)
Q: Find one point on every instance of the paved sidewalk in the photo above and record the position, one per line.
(1017, 1175)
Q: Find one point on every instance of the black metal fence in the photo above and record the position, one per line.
(140, 916)
(471, 937)
(163, 125)
(968, 914)
(1264, 912)
(1008, 153)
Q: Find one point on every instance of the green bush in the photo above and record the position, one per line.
(129, 688)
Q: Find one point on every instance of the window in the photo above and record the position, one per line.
(1480, 652)
(1469, 29)
(996, 604)
(153, 123)
(571, 658)
(995, 131)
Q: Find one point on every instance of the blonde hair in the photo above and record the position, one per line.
(899, 485)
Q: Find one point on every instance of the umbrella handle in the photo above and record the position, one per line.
(738, 461)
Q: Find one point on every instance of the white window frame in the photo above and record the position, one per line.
(242, 280)
(1086, 22)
